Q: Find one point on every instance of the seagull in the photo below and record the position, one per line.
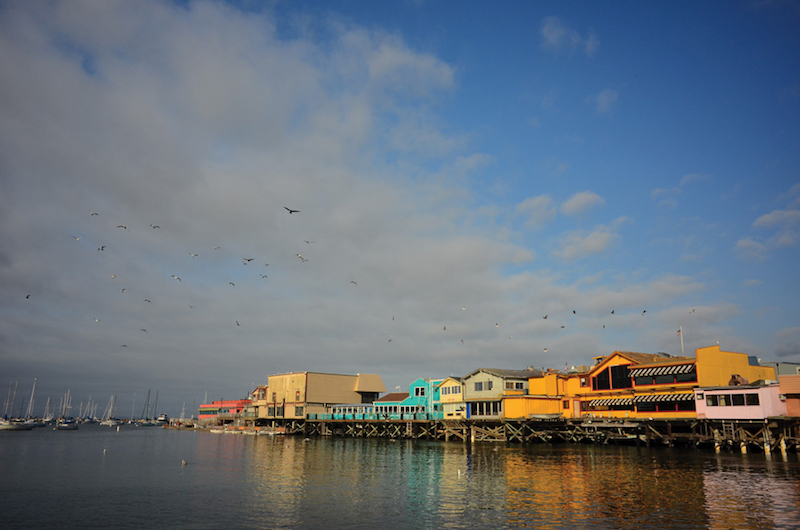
(143, 330)
(263, 275)
(148, 301)
(124, 346)
(643, 312)
(309, 242)
(122, 290)
(545, 350)
(692, 311)
(247, 259)
(612, 311)
(27, 296)
(97, 319)
(604, 326)
(76, 238)
(463, 308)
(497, 325)
(266, 264)
(177, 278)
(190, 306)
(122, 226)
(462, 341)
(290, 210)
(573, 312)
(217, 247)
(113, 276)
(353, 282)
(231, 283)
(101, 248)
(545, 317)
(192, 254)
(562, 327)
(92, 213)
(237, 323)
(155, 226)
(444, 328)
(302, 258)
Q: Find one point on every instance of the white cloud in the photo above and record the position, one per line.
(536, 210)
(750, 249)
(694, 177)
(783, 218)
(581, 202)
(788, 344)
(556, 37)
(605, 101)
(581, 244)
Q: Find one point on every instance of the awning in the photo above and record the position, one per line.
(663, 370)
(686, 396)
(610, 401)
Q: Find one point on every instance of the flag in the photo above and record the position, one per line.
(679, 333)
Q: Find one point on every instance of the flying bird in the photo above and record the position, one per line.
(612, 311)
(562, 327)
(263, 276)
(122, 290)
(302, 258)
(497, 325)
(692, 311)
(231, 283)
(354, 282)
(643, 312)
(148, 301)
(237, 323)
(192, 254)
(573, 312)
(27, 296)
(177, 278)
(190, 306)
(155, 226)
(217, 247)
(113, 276)
(545, 350)
(97, 320)
(545, 317)
(143, 330)
(444, 328)
(101, 248)
(290, 210)
(124, 346)
(122, 226)
(76, 238)
(309, 242)
(92, 213)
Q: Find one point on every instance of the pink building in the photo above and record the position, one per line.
(740, 402)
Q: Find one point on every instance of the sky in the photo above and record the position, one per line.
(475, 184)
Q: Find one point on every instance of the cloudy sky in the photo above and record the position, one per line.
(461, 171)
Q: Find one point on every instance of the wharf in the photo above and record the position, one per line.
(771, 435)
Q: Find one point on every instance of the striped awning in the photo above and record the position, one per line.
(610, 401)
(685, 396)
(663, 370)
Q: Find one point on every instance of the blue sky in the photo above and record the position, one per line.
(471, 166)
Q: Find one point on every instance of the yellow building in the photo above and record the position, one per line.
(635, 385)
(451, 397)
(298, 394)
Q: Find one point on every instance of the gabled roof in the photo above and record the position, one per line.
(506, 374)
(653, 358)
(394, 396)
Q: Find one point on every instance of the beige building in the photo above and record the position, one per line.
(300, 394)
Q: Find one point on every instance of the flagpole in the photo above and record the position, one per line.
(680, 332)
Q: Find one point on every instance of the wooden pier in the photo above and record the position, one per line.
(767, 436)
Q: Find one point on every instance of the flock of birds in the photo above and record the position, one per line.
(247, 261)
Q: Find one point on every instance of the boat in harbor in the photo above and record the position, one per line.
(11, 425)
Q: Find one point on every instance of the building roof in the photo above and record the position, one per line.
(394, 396)
(656, 359)
(369, 383)
(507, 374)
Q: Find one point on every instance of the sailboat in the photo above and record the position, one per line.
(147, 414)
(29, 419)
(66, 423)
(7, 424)
(108, 416)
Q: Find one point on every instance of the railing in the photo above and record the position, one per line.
(424, 416)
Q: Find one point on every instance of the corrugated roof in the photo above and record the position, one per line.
(369, 383)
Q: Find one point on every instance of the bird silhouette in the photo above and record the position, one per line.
(101, 248)
(155, 226)
(148, 301)
(290, 210)
(231, 283)
(92, 213)
(545, 317)
(192, 254)
(354, 282)
(309, 242)
(302, 258)
(78, 238)
(573, 312)
(122, 226)
(27, 296)
(246, 260)
(612, 311)
(237, 323)
(263, 275)
(643, 312)
(143, 330)
(177, 278)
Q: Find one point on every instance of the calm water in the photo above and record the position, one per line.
(97, 477)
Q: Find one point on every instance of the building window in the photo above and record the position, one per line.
(643, 380)
(646, 407)
(565, 404)
(601, 381)
(712, 401)
(270, 411)
(686, 405)
(737, 400)
(519, 386)
(751, 399)
(621, 376)
(665, 379)
(419, 391)
(509, 385)
(584, 381)
(478, 386)
(298, 411)
(279, 411)
(488, 385)
(686, 378)
(274, 397)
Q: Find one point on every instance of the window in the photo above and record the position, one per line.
(724, 400)
(297, 395)
(751, 399)
(274, 397)
(686, 405)
(419, 391)
(270, 411)
(298, 411)
(737, 400)
(488, 385)
(279, 411)
(584, 381)
(665, 379)
(601, 381)
(620, 376)
(478, 386)
(712, 401)
(699, 396)
(509, 385)
(565, 404)
(646, 407)
(686, 378)
(643, 380)
(519, 386)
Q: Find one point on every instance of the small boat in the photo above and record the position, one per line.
(66, 424)
(9, 425)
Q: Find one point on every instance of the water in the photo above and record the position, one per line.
(97, 477)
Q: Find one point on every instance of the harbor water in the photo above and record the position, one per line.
(135, 477)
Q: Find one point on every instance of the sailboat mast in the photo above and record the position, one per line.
(29, 413)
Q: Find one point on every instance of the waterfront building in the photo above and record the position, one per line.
(451, 396)
(790, 393)
(422, 401)
(222, 412)
(388, 407)
(636, 385)
(739, 402)
(485, 388)
(296, 395)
